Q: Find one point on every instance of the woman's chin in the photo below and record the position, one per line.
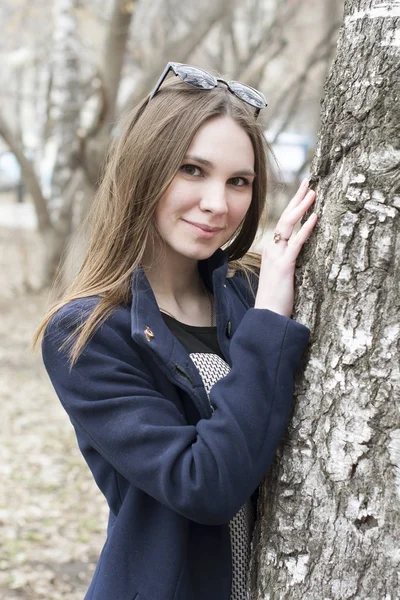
(199, 254)
(196, 253)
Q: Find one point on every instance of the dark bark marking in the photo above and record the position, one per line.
(365, 523)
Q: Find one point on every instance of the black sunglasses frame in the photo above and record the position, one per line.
(172, 66)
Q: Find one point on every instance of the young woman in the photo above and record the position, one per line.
(175, 358)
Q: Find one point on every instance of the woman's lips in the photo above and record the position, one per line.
(204, 230)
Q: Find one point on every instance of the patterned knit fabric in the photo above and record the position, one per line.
(212, 368)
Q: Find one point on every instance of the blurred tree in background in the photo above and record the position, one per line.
(79, 64)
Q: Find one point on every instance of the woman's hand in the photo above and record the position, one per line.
(276, 283)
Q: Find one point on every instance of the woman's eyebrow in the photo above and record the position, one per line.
(210, 165)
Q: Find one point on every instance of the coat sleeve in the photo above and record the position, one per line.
(204, 472)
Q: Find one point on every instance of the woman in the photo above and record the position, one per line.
(174, 361)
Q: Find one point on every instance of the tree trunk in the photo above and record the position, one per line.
(66, 98)
(114, 55)
(329, 516)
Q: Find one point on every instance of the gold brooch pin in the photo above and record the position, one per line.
(149, 334)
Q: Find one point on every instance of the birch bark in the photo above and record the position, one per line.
(66, 97)
(329, 516)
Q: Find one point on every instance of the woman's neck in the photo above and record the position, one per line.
(180, 291)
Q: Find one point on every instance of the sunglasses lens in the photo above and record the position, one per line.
(204, 81)
(195, 77)
(248, 94)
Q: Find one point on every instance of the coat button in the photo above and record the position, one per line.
(149, 334)
(228, 330)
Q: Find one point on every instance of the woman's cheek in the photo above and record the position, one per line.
(241, 212)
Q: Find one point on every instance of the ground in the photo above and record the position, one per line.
(52, 516)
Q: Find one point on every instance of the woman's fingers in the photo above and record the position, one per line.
(275, 290)
(294, 215)
(297, 241)
(299, 195)
(289, 218)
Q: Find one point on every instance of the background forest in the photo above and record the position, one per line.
(69, 68)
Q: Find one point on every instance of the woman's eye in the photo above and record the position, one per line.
(191, 170)
(239, 181)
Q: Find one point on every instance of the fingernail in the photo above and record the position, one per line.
(305, 182)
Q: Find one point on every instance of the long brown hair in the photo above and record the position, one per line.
(142, 162)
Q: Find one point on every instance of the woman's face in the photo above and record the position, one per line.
(210, 194)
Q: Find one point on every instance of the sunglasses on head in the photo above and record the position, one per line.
(204, 81)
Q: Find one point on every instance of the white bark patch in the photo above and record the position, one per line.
(346, 231)
(383, 159)
(359, 178)
(355, 195)
(361, 259)
(317, 363)
(334, 362)
(298, 568)
(386, 10)
(345, 587)
(392, 333)
(394, 452)
(336, 380)
(380, 210)
(347, 444)
(377, 196)
(396, 201)
(345, 274)
(356, 342)
(392, 39)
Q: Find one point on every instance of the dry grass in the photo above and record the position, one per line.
(52, 516)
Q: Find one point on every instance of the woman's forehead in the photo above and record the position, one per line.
(222, 138)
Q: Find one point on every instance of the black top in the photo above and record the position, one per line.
(193, 338)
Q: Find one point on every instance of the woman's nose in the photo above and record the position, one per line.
(214, 198)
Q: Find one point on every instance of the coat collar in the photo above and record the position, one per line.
(149, 330)
(147, 324)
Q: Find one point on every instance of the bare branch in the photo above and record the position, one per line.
(234, 44)
(268, 43)
(179, 49)
(294, 90)
(185, 45)
(30, 179)
(254, 71)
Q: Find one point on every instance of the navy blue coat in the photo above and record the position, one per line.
(173, 472)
